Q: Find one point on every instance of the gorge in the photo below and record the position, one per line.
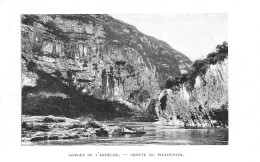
(78, 68)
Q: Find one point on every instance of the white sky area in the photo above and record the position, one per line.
(194, 35)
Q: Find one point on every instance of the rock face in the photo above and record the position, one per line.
(97, 55)
(205, 106)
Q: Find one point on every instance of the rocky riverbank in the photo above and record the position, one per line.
(37, 128)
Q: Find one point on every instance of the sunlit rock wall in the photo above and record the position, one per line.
(100, 56)
(205, 106)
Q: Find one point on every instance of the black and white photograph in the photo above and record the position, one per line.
(129, 80)
(97, 80)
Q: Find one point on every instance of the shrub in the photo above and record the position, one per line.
(199, 67)
(29, 19)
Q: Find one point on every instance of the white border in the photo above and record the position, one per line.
(243, 69)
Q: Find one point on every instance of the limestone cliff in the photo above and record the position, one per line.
(95, 56)
(200, 97)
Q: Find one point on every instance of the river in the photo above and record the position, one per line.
(155, 135)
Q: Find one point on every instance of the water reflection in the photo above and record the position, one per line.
(155, 135)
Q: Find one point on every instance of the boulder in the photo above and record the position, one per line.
(39, 136)
(52, 119)
(76, 136)
(85, 134)
(49, 120)
(40, 127)
(116, 130)
(74, 125)
(67, 137)
(70, 136)
(95, 124)
(25, 125)
(53, 137)
(84, 124)
(91, 130)
(101, 132)
(77, 130)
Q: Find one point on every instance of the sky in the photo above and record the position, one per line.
(194, 35)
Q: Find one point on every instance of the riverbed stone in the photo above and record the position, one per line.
(101, 132)
(84, 124)
(77, 130)
(53, 137)
(95, 124)
(76, 136)
(24, 125)
(49, 120)
(85, 134)
(38, 136)
(52, 119)
(34, 129)
(74, 125)
(40, 127)
(67, 137)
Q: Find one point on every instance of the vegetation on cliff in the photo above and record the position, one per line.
(199, 68)
(200, 97)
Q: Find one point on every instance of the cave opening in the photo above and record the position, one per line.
(163, 101)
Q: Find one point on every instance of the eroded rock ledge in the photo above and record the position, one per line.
(38, 128)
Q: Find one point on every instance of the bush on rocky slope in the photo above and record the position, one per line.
(199, 68)
(200, 97)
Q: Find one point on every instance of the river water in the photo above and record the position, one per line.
(155, 135)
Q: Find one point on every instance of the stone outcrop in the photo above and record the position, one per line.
(205, 106)
(96, 55)
(39, 128)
